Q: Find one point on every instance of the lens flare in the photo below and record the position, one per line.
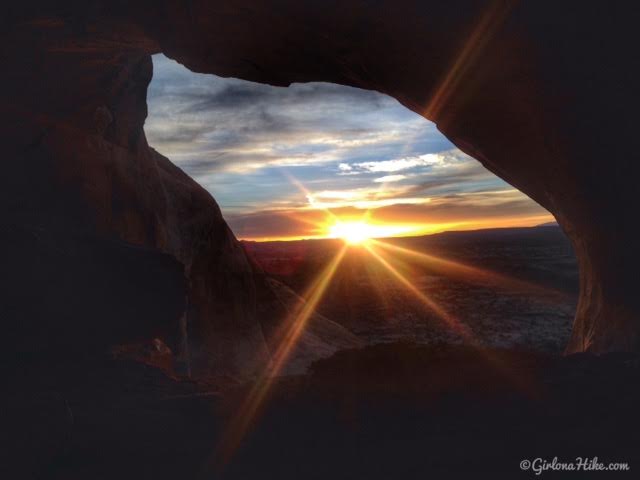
(292, 328)
(357, 231)
(489, 23)
(469, 273)
(442, 314)
(525, 385)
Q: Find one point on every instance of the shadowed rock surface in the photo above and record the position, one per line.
(390, 411)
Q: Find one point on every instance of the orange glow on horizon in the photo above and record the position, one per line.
(382, 228)
(358, 232)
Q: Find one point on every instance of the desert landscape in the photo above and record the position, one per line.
(529, 307)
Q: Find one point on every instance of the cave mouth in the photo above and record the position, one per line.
(109, 243)
(298, 163)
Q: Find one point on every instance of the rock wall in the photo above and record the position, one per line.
(80, 174)
(542, 94)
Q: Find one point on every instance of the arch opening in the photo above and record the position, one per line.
(322, 161)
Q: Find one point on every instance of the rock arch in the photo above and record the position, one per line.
(542, 94)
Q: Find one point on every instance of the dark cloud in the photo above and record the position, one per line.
(237, 95)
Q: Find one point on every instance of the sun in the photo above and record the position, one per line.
(359, 232)
(353, 233)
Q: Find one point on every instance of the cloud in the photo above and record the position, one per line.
(399, 164)
(242, 126)
(390, 178)
(352, 149)
(362, 198)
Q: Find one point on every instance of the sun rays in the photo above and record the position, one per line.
(463, 272)
(487, 26)
(391, 258)
(361, 232)
(369, 237)
(451, 322)
(290, 332)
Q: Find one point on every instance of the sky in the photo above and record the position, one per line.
(287, 163)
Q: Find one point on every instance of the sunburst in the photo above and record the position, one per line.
(360, 231)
